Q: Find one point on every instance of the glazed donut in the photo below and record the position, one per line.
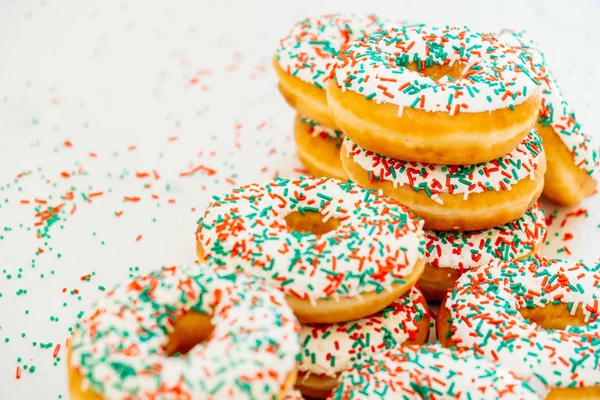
(318, 147)
(304, 57)
(572, 157)
(431, 372)
(236, 339)
(328, 350)
(455, 197)
(434, 95)
(448, 254)
(339, 252)
(537, 317)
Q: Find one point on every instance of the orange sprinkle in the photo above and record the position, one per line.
(137, 239)
(25, 202)
(134, 199)
(95, 194)
(119, 213)
(173, 138)
(155, 197)
(171, 201)
(56, 350)
(567, 236)
(65, 174)
(156, 175)
(18, 373)
(209, 171)
(40, 201)
(93, 155)
(73, 209)
(131, 148)
(229, 180)
(142, 174)
(68, 143)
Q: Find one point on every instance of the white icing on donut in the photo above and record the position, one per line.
(119, 348)
(309, 50)
(327, 350)
(466, 250)
(376, 245)
(431, 372)
(484, 316)
(496, 75)
(433, 179)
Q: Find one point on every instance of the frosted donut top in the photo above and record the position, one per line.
(484, 316)
(466, 250)
(431, 372)
(376, 245)
(327, 350)
(119, 348)
(433, 179)
(309, 50)
(496, 74)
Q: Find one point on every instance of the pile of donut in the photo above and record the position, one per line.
(428, 149)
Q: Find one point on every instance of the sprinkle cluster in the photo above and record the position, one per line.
(119, 347)
(327, 350)
(556, 111)
(430, 372)
(466, 250)
(310, 48)
(496, 75)
(433, 179)
(484, 307)
(376, 244)
(321, 131)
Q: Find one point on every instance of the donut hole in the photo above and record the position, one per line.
(554, 316)
(439, 71)
(310, 222)
(188, 331)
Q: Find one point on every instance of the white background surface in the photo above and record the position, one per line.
(109, 75)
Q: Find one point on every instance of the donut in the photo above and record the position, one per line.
(573, 158)
(186, 333)
(448, 254)
(303, 59)
(455, 197)
(318, 147)
(328, 350)
(434, 95)
(339, 252)
(431, 372)
(536, 316)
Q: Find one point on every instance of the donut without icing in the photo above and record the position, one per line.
(124, 348)
(449, 254)
(372, 255)
(435, 95)
(328, 350)
(455, 197)
(304, 57)
(489, 308)
(318, 147)
(431, 372)
(572, 156)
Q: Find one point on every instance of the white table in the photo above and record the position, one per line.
(96, 96)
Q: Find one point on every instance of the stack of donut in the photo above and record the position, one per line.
(318, 287)
(441, 119)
